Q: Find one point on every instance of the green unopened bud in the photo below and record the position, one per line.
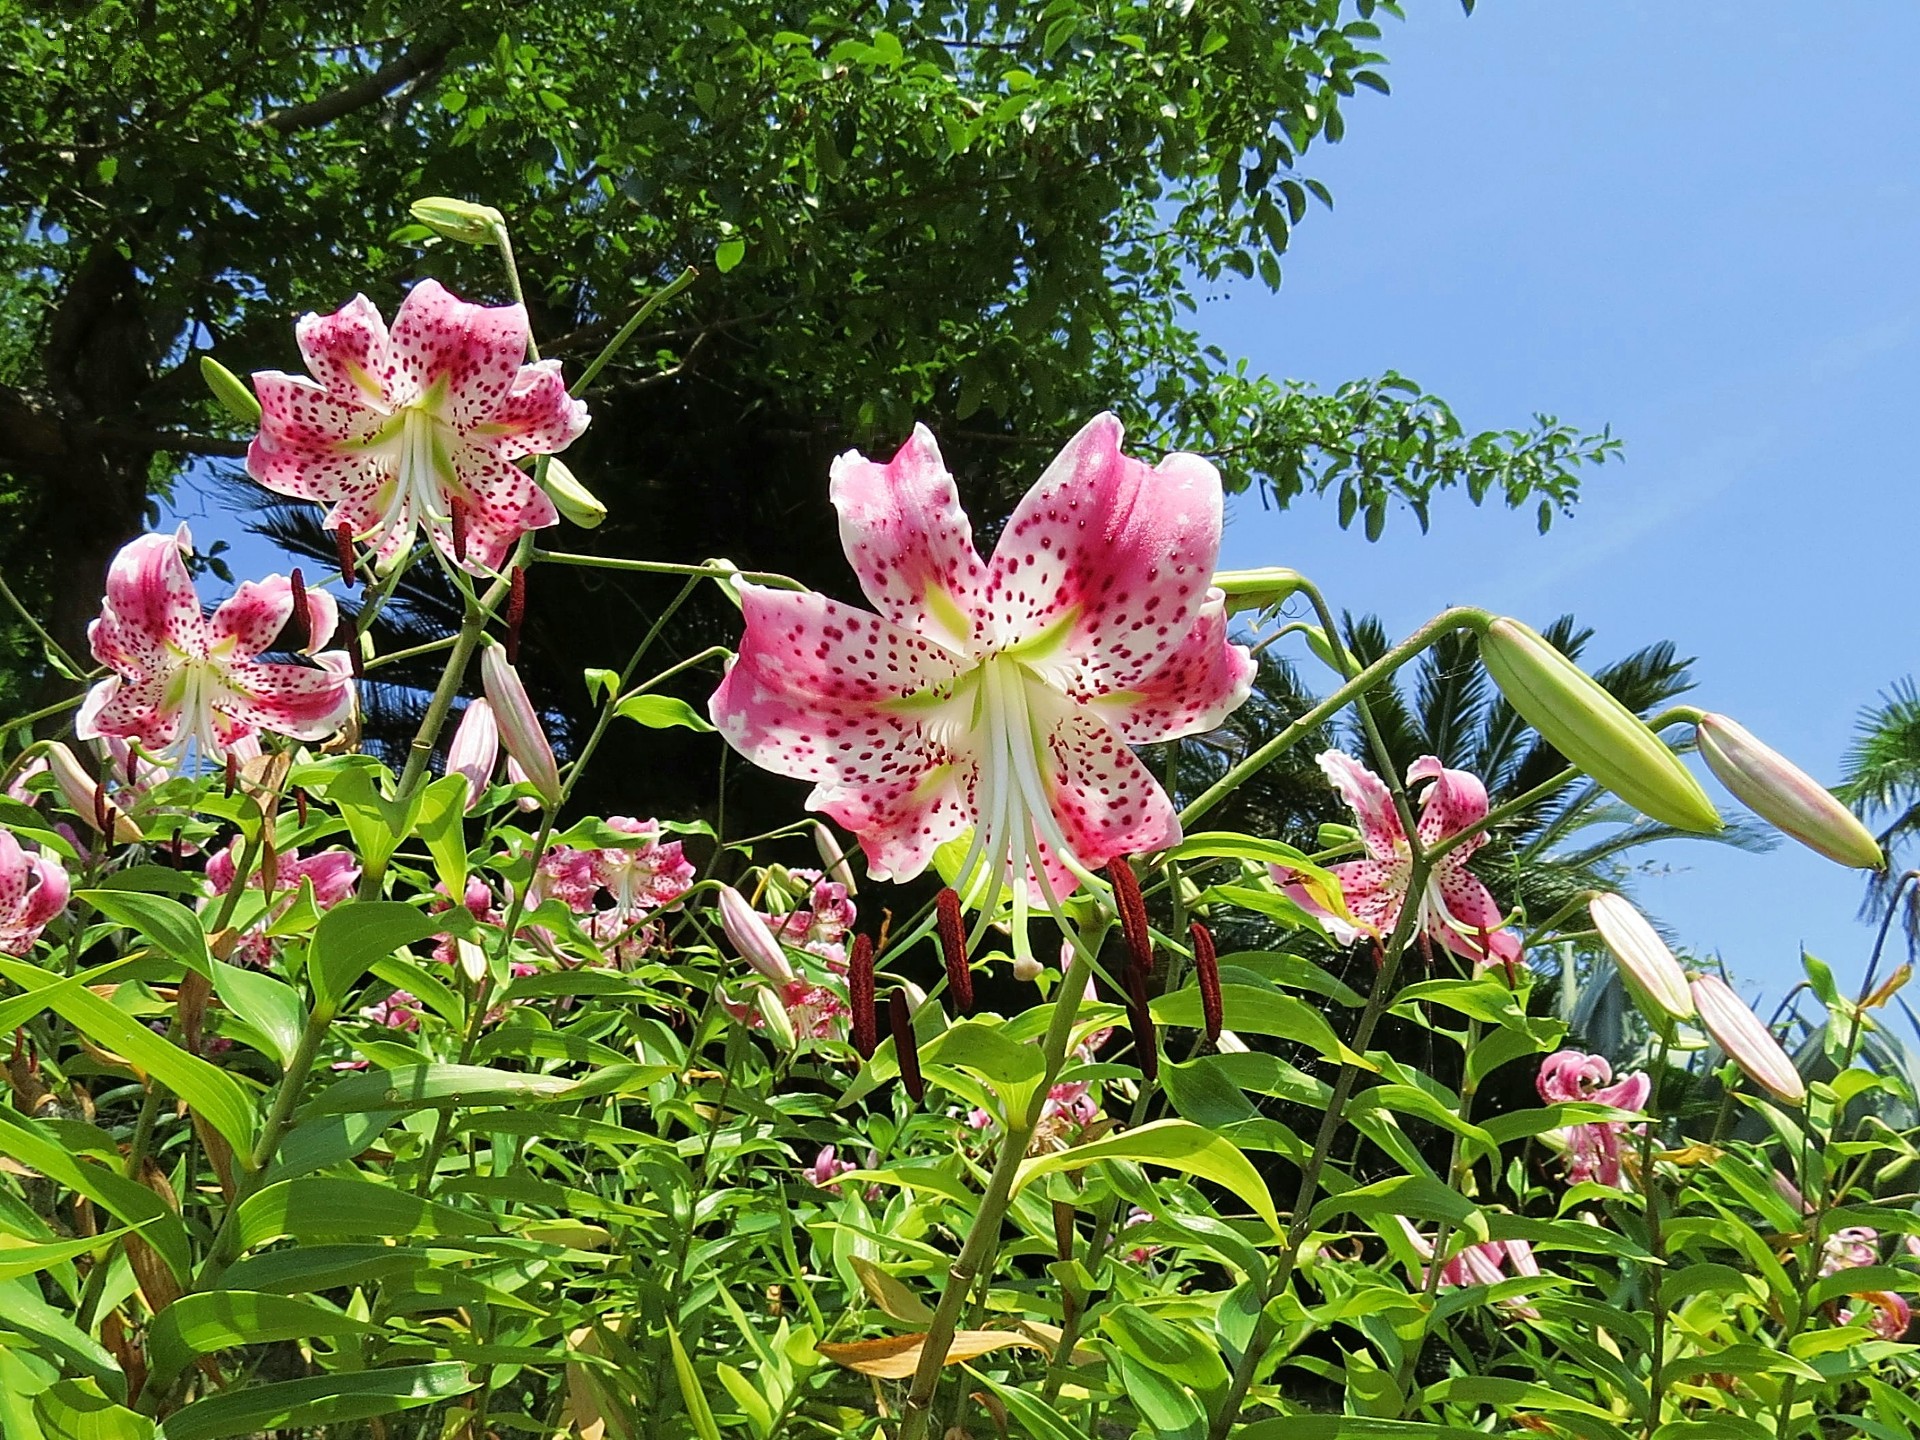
(460, 220)
(1784, 795)
(1323, 650)
(1747, 1041)
(571, 498)
(1653, 977)
(1593, 730)
(1258, 589)
(230, 390)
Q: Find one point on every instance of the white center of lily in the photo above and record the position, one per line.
(416, 446)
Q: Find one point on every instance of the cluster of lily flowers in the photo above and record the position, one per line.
(995, 702)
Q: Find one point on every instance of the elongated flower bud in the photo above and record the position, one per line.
(460, 220)
(230, 391)
(860, 998)
(85, 797)
(1784, 795)
(474, 750)
(906, 1045)
(752, 938)
(1132, 907)
(519, 726)
(1206, 969)
(570, 497)
(953, 948)
(833, 860)
(1748, 1043)
(1592, 729)
(1654, 978)
(1258, 589)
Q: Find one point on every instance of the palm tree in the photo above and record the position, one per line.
(1881, 781)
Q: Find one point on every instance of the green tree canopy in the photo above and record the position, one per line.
(994, 217)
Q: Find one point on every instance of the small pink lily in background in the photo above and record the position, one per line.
(33, 889)
(999, 696)
(399, 1011)
(1593, 1150)
(1889, 1314)
(333, 873)
(827, 1168)
(1456, 909)
(1482, 1264)
(417, 427)
(182, 677)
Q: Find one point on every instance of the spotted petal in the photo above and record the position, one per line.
(1106, 561)
(348, 352)
(304, 701)
(469, 353)
(1369, 799)
(908, 540)
(1202, 682)
(817, 693)
(151, 605)
(1104, 799)
(251, 618)
(1373, 893)
(299, 415)
(134, 709)
(1464, 916)
(537, 417)
(1456, 800)
(501, 504)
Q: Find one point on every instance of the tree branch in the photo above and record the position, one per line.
(368, 90)
(35, 438)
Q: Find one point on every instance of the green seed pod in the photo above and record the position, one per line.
(1593, 730)
(1784, 795)
(571, 498)
(460, 220)
(230, 390)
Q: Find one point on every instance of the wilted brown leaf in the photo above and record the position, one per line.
(890, 1294)
(895, 1357)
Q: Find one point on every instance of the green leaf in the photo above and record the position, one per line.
(77, 1410)
(327, 1141)
(351, 937)
(1251, 1010)
(377, 824)
(1412, 1100)
(729, 253)
(200, 1324)
(1167, 1349)
(166, 924)
(443, 808)
(271, 1006)
(318, 1400)
(691, 1394)
(1162, 1402)
(1039, 1419)
(316, 1207)
(1857, 1280)
(1346, 1427)
(27, 1257)
(1415, 1196)
(324, 1267)
(661, 712)
(213, 1094)
(1173, 1144)
(32, 1144)
(414, 1087)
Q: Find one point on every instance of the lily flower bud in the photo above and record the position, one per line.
(1593, 730)
(228, 388)
(1748, 1043)
(1653, 977)
(570, 497)
(459, 220)
(86, 797)
(833, 860)
(1784, 795)
(519, 726)
(474, 750)
(752, 938)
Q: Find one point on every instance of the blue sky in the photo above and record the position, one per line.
(1698, 224)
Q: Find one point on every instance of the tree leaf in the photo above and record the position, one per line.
(1174, 1144)
(318, 1400)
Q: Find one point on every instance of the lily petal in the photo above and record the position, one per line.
(1367, 796)
(1116, 554)
(151, 604)
(303, 701)
(1455, 801)
(258, 610)
(1468, 920)
(1105, 799)
(502, 503)
(300, 416)
(348, 351)
(537, 417)
(472, 352)
(908, 540)
(1200, 684)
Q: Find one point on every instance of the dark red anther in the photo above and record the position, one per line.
(906, 1045)
(866, 1018)
(132, 767)
(269, 867)
(1145, 1047)
(298, 632)
(233, 773)
(1132, 906)
(516, 612)
(300, 805)
(102, 810)
(343, 539)
(357, 655)
(953, 947)
(1206, 968)
(459, 532)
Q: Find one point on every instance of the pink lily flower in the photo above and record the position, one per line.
(399, 1011)
(181, 676)
(1456, 909)
(1139, 1254)
(827, 1168)
(1593, 1150)
(1890, 1317)
(1850, 1247)
(33, 889)
(646, 877)
(419, 426)
(1000, 696)
(1482, 1264)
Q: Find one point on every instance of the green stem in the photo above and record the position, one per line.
(983, 1236)
(54, 651)
(1656, 1248)
(709, 571)
(626, 332)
